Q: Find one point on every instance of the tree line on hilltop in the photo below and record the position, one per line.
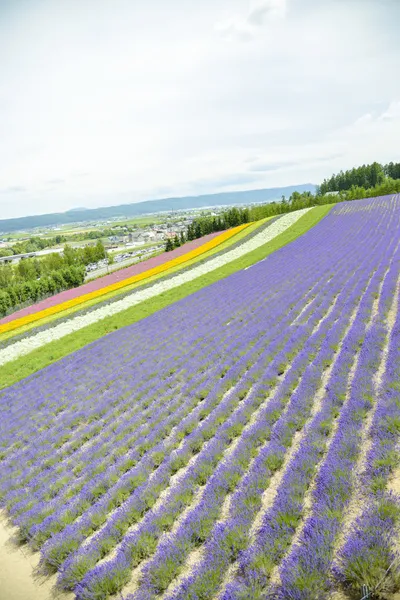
(209, 224)
(366, 181)
(366, 176)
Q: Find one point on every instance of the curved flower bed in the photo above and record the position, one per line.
(29, 330)
(25, 346)
(101, 282)
(97, 288)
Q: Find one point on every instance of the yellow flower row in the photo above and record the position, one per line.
(10, 326)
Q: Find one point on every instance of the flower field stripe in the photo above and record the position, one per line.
(228, 440)
(266, 552)
(10, 337)
(134, 411)
(101, 282)
(388, 294)
(205, 573)
(299, 566)
(19, 457)
(23, 347)
(15, 324)
(176, 418)
(322, 313)
(52, 351)
(369, 555)
(151, 581)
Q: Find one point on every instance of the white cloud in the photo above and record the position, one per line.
(246, 27)
(392, 113)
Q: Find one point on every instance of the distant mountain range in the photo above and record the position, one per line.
(151, 206)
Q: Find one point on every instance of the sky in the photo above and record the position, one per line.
(113, 101)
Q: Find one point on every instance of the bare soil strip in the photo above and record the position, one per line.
(17, 570)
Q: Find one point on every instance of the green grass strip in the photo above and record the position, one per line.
(50, 353)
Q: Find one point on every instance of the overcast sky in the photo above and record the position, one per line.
(110, 101)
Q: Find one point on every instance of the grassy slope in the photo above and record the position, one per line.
(40, 358)
(91, 303)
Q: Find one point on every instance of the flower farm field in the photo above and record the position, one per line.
(240, 443)
(20, 359)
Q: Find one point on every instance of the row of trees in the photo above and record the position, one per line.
(33, 278)
(85, 255)
(32, 290)
(204, 225)
(175, 242)
(366, 176)
(232, 217)
(297, 201)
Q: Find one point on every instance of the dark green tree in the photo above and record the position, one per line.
(197, 231)
(169, 245)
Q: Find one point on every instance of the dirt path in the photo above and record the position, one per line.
(17, 564)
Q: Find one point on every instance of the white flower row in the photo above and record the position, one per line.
(25, 346)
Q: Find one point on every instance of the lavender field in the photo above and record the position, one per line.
(242, 443)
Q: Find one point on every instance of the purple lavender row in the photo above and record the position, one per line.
(281, 522)
(117, 374)
(208, 575)
(164, 423)
(123, 437)
(262, 430)
(232, 536)
(48, 443)
(368, 556)
(39, 400)
(334, 484)
(54, 467)
(111, 525)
